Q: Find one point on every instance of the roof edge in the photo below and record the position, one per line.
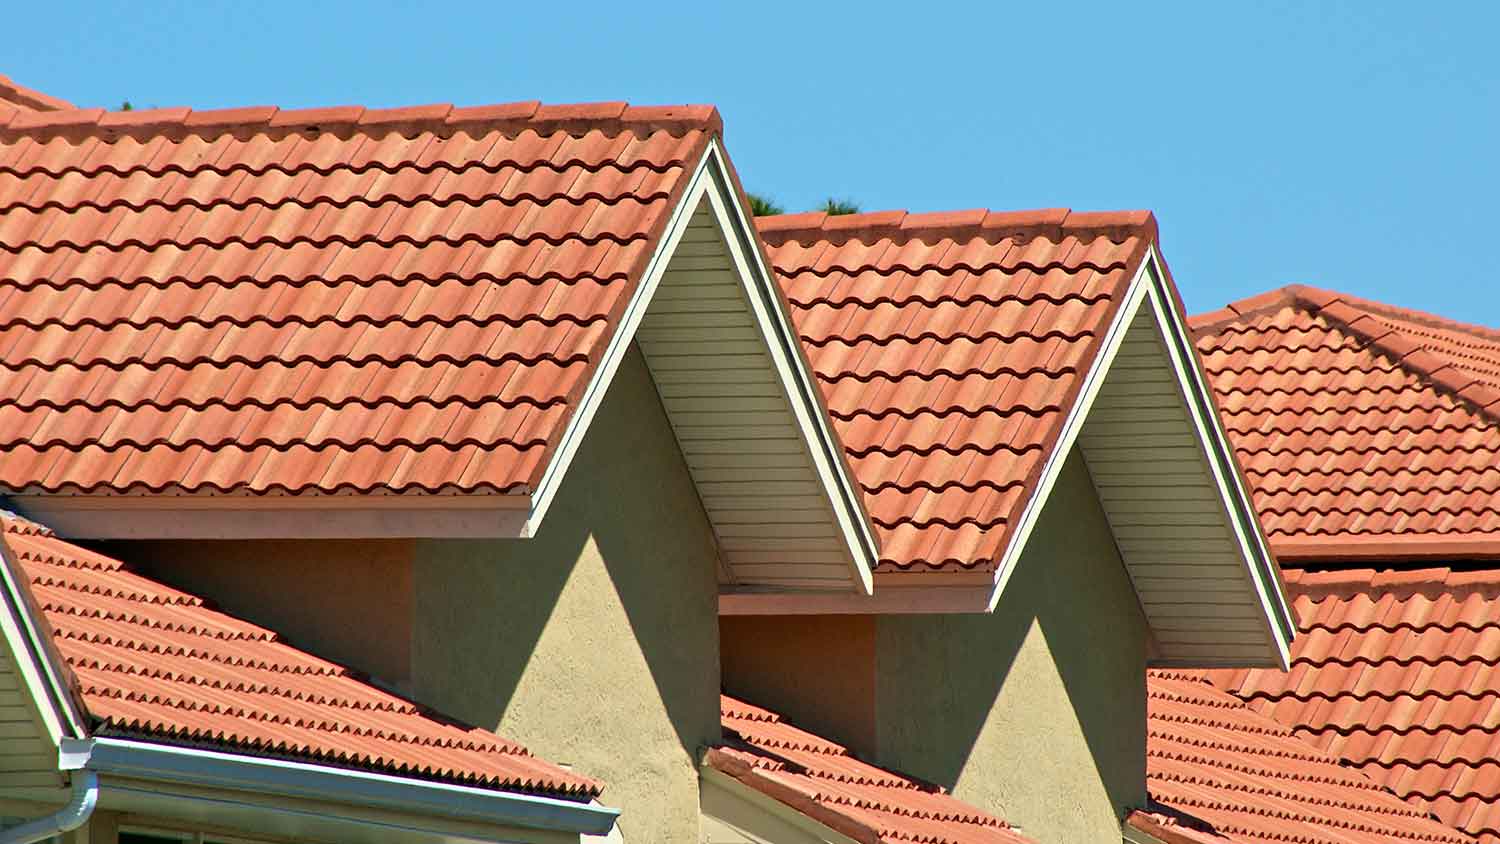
(244, 772)
(1158, 831)
(510, 118)
(11, 92)
(804, 802)
(902, 226)
(1378, 548)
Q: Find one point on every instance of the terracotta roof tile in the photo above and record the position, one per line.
(1364, 430)
(1396, 672)
(949, 348)
(821, 779)
(1219, 772)
(186, 295)
(21, 97)
(155, 663)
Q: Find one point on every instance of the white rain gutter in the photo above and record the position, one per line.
(438, 801)
(66, 819)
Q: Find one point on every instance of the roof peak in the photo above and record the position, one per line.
(510, 118)
(1361, 318)
(902, 226)
(29, 98)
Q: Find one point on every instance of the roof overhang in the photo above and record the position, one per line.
(313, 801)
(746, 811)
(1166, 476)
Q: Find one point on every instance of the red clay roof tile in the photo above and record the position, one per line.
(1366, 431)
(949, 348)
(186, 294)
(1219, 772)
(155, 663)
(1396, 672)
(26, 98)
(822, 780)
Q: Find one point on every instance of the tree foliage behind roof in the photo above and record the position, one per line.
(763, 206)
(834, 207)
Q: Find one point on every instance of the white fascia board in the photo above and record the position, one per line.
(771, 806)
(441, 803)
(276, 516)
(41, 674)
(1240, 510)
(710, 181)
(1148, 289)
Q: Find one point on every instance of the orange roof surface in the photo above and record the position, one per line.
(1218, 772)
(154, 663)
(186, 296)
(20, 96)
(822, 780)
(1398, 674)
(949, 348)
(1364, 430)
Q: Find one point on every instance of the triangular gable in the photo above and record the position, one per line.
(340, 322)
(964, 355)
(1367, 431)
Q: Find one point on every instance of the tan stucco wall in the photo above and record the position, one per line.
(1036, 711)
(596, 643)
(349, 601)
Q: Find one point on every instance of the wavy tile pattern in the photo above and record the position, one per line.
(255, 301)
(821, 779)
(949, 348)
(1398, 674)
(1225, 773)
(1355, 420)
(155, 663)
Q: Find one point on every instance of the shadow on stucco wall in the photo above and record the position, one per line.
(1037, 710)
(595, 643)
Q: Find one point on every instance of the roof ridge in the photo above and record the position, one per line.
(902, 226)
(510, 118)
(30, 98)
(1357, 317)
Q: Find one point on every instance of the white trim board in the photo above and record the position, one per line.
(710, 187)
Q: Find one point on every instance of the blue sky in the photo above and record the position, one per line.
(1349, 145)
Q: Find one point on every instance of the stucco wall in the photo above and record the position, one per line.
(595, 643)
(818, 670)
(349, 601)
(1036, 711)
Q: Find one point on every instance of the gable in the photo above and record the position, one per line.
(392, 323)
(962, 357)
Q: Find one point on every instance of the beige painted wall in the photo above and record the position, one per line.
(1036, 712)
(349, 601)
(596, 643)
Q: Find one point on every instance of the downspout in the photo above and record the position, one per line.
(66, 819)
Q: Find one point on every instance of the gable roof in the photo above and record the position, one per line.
(27, 98)
(950, 348)
(154, 663)
(824, 781)
(189, 294)
(1396, 673)
(1219, 772)
(962, 356)
(1366, 431)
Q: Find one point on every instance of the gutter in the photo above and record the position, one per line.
(68, 818)
(443, 802)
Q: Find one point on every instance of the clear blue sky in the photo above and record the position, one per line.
(1351, 145)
